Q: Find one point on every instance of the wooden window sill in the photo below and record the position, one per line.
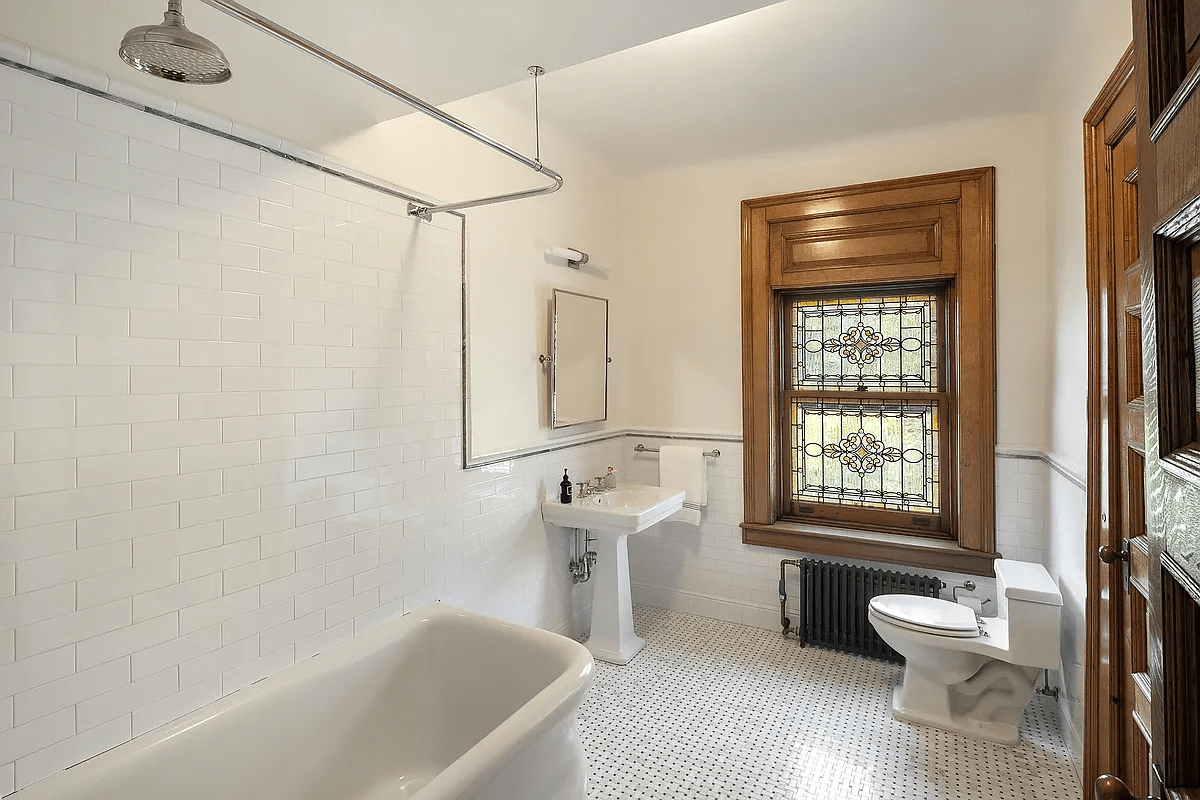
(887, 548)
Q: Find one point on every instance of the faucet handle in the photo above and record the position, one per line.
(583, 487)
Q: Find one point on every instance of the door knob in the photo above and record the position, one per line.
(1110, 787)
(1110, 554)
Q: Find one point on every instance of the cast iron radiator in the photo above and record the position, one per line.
(833, 600)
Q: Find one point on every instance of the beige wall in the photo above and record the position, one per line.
(511, 279)
(1097, 34)
(682, 255)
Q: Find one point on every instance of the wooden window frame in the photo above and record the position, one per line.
(881, 237)
(940, 525)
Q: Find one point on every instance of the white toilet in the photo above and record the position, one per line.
(968, 674)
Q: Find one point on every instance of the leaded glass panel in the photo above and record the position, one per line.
(866, 453)
(867, 343)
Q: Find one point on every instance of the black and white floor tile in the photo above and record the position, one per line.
(710, 709)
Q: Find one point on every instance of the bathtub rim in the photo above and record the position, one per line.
(534, 718)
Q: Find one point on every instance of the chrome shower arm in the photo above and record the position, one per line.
(258, 21)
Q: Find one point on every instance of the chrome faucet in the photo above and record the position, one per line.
(591, 487)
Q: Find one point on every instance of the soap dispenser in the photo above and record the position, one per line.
(564, 490)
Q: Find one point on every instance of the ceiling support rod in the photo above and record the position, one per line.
(256, 20)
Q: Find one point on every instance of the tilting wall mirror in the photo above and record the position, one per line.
(579, 360)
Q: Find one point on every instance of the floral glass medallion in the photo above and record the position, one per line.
(868, 343)
(869, 453)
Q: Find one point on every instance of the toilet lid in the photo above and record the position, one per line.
(927, 613)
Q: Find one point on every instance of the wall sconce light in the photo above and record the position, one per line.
(574, 258)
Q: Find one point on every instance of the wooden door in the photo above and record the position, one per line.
(1117, 690)
(1166, 74)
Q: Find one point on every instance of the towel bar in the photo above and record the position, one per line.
(641, 448)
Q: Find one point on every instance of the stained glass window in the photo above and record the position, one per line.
(866, 405)
(878, 343)
(868, 453)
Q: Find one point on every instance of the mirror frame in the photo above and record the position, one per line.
(554, 362)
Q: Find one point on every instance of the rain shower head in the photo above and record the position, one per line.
(173, 52)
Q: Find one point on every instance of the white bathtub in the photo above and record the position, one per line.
(436, 705)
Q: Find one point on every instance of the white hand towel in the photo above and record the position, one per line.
(684, 468)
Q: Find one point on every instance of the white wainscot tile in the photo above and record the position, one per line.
(251, 281)
(76, 565)
(174, 217)
(250, 183)
(128, 236)
(36, 284)
(94, 531)
(68, 134)
(36, 157)
(125, 178)
(126, 409)
(308, 269)
(66, 692)
(218, 251)
(44, 509)
(126, 583)
(259, 524)
(68, 195)
(57, 443)
(172, 543)
(223, 404)
(175, 706)
(155, 659)
(209, 509)
(174, 380)
(60, 631)
(174, 271)
(174, 597)
(215, 148)
(97, 470)
(120, 118)
(122, 293)
(222, 201)
(126, 699)
(165, 160)
(67, 754)
(182, 433)
(36, 317)
(125, 351)
(217, 559)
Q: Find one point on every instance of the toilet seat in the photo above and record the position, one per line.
(927, 615)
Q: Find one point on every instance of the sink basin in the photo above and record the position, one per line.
(611, 517)
(627, 509)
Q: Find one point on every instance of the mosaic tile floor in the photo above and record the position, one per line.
(714, 710)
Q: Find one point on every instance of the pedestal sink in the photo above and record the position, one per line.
(611, 517)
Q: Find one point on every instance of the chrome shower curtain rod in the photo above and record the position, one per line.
(256, 20)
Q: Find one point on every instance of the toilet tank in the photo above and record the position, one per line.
(1030, 601)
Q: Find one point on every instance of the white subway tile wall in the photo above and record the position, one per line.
(711, 573)
(230, 427)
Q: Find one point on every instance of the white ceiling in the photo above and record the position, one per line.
(440, 50)
(803, 73)
(640, 82)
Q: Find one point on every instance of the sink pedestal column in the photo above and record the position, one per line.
(613, 639)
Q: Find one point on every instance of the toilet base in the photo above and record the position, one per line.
(998, 732)
(988, 705)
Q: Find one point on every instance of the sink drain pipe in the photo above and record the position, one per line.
(581, 566)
